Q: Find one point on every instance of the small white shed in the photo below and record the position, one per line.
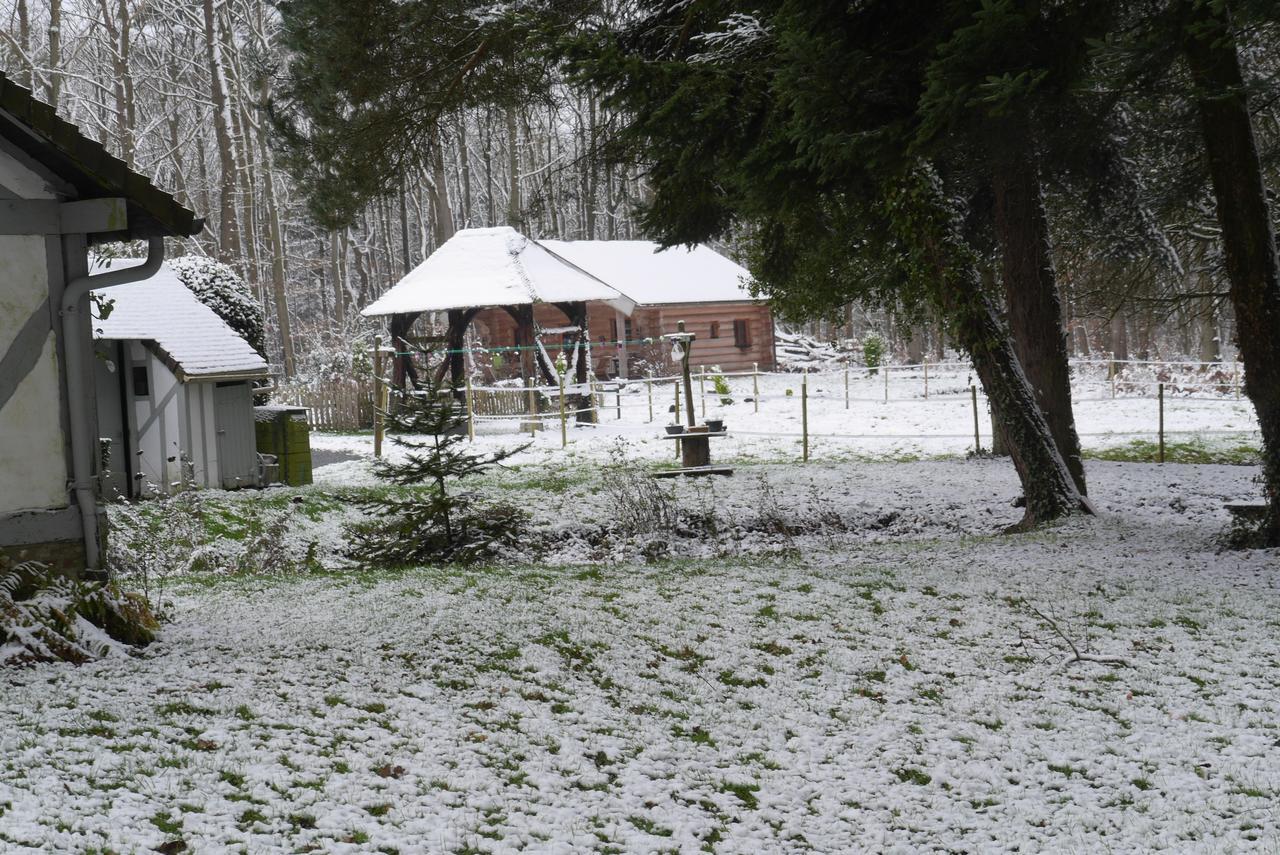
(175, 398)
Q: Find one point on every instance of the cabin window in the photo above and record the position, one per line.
(141, 388)
(741, 334)
(715, 329)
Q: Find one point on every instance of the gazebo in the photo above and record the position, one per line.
(500, 268)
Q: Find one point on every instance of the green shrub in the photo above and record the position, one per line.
(873, 352)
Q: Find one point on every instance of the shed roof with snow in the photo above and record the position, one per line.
(653, 276)
(493, 267)
(187, 335)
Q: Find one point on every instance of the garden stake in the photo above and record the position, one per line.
(977, 437)
(1161, 457)
(804, 412)
(471, 418)
(564, 432)
(755, 385)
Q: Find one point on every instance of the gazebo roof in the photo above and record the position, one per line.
(477, 268)
(653, 276)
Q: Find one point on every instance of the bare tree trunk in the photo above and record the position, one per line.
(1031, 291)
(26, 76)
(515, 212)
(1248, 239)
(228, 228)
(934, 226)
(55, 52)
(275, 237)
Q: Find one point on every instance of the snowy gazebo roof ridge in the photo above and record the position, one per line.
(493, 267)
(186, 334)
(654, 276)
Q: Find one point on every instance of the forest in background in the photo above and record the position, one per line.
(178, 90)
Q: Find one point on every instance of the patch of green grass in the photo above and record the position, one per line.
(731, 679)
(1191, 451)
(183, 708)
(913, 776)
(235, 779)
(695, 734)
(166, 823)
(746, 793)
(648, 826)
(1068, 770)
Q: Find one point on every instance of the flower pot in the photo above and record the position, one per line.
(675, 430)
(715, 425)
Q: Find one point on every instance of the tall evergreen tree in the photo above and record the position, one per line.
(800, 126)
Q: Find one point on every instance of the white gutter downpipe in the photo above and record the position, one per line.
(74, 298)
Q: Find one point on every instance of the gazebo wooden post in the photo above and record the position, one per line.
(403, 371)
(523, 316)
(576, 312)
(455, 340)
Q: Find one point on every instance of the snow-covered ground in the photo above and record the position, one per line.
(840, 657)
(908, 425)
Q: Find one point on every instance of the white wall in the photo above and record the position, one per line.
(32, 461)
(160, 418)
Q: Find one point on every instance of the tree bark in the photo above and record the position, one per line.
(927, 222)
(228, 228)
(1031, 290)
(55, 51)
(1248, 239)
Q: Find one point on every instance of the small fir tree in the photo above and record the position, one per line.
(432, 520)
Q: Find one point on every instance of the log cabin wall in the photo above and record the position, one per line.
(732, 336)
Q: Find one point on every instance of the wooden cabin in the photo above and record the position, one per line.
(699, 286)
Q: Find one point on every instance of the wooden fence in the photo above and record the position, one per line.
(345, 403)
(339, 403)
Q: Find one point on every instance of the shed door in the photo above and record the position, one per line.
(233, 421)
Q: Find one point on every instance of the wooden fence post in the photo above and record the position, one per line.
(755, 385)
(926, 378)
(617, 391)
(702, 389)
(648, 387)
(1111, 372)
(1235, 376)
(804, 412)
(1161, 426)
(676, 386)
(564, 431)
(471, 415)
(977, 437)
(377, 396)
(533, 407)
(885, 370)
(846, 385)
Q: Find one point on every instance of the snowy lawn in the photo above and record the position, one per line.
(836, 658)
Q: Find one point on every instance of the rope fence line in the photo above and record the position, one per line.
(538, 407)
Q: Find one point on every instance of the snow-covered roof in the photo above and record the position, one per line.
(651, 277)
(492, 267)
(197, 343)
